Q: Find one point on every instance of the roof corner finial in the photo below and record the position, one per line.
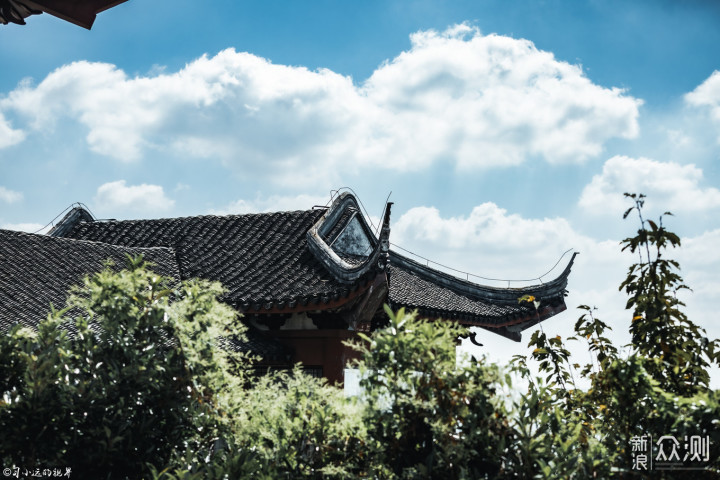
(385, 233)
(386, 219)
(78, 213)
(385, 238)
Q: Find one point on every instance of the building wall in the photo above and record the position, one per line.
(320, 348)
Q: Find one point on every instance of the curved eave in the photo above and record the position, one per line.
(507, 296)
(342, 270)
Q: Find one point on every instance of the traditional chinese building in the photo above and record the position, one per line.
(305, 281)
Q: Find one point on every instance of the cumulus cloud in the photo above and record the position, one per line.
(460, 96)
(707, 95)
(117, 195)
(9, 196)
(494, 100)
(9, 136)
(665, 183)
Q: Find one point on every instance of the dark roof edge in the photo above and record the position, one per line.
(73, 217)
(82, 14)
(339, 268)
(553, 288)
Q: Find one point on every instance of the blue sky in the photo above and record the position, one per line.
(507, 131)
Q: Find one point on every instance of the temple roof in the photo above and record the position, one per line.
(268, 262)
(320, 260)
(79, 12)
(37, 270)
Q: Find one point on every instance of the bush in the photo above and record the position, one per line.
(301, 427)
(133, 378)
(428, 415)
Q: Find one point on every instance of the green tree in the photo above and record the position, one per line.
(660, 388)
(301, 427)
(678, 349)
(133, 378)
(428, 415)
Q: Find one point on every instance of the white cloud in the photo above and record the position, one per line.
(9, 136)
(474, 100)
(707, 95)
(493, 100)
(137, 198)
(491, 243)
(665, 183)
(9, 196)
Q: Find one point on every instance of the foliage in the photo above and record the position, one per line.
(661, 388)
(287, 425)
(133, 378)
(301, 427)
(679, 350)
(427, 415)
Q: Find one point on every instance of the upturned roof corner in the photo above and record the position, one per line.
(76, 215)
(345, 244)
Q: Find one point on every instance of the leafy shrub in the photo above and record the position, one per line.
(132, 379)
(428, 415)
(301, 427)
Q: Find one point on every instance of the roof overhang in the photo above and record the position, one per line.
(79, 12)
(513, 316)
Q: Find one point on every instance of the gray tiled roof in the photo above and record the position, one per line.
(439, 295)
(37, 270)
(278, 262)
(261, 259)
(412, 292)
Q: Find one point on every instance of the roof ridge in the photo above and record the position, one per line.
(203, 216)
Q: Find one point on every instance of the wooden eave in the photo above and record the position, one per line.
(79, 12)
